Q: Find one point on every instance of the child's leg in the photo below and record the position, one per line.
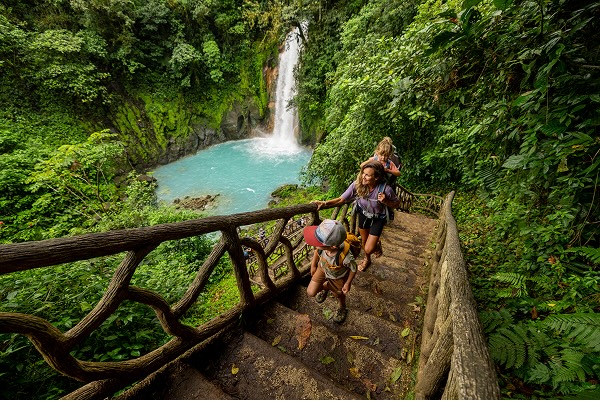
(336, 288)
(317, 282)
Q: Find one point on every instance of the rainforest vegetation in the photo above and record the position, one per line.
(496, 99)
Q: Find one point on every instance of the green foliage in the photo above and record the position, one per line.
(500, 99)
(560, 351)
(64, 294)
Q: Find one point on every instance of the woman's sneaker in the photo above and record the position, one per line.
(322, 296)
(340, 315)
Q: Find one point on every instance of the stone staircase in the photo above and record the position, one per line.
(292, 349)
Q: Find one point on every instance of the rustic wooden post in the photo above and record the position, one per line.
(191, 295)
(234, 248)
(433, 374)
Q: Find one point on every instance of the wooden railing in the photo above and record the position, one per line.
(454, 356)
(278, 259)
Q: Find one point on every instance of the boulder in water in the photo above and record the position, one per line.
(200, 203)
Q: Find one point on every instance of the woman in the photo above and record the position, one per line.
(372, 196)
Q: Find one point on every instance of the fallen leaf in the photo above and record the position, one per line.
(354, 372)
(405, 332)
(403, 353)
(303, 328)
(377, 290)
(392, 317)
(276, 341)
(328, 313)
(371, 387)
(326, 360)
(234, 369)
(376, 341)
(396, 375)
(359, 337)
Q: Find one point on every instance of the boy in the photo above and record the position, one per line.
(328, 273)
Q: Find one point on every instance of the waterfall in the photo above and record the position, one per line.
(245, 172)
(283, 139)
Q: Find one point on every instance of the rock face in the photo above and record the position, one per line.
(237, 123)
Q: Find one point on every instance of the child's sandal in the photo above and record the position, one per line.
(322, 296)
(340, 315)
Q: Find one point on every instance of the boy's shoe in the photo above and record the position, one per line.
(340, 315)
(322, 296)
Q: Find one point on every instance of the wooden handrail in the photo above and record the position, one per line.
(454, 353)
(284, 244)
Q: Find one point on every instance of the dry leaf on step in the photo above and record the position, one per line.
(369, 384)
(359, 337)
(303, 328)
(276, 341)
(234, 369)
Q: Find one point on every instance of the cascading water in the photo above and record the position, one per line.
(244, 173)
(283, 139)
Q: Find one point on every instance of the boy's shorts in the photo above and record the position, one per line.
(334, 284)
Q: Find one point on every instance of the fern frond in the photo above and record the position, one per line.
(508, 346)
(515, 280)
(488, 175)
(592, 254)
(583, 328)
(539, 374)
(567, 367)
(493, 320)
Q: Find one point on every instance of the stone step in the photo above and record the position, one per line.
(348, 361)
(383, 335)
(398, 310)
(187, 383)
(249, 368)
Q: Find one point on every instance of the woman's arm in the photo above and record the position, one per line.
(331, 202)
(388, 197)
(393, 169)
(366, 161)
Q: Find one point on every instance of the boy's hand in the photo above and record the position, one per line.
(346, 288)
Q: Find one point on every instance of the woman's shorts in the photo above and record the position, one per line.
(373, 224)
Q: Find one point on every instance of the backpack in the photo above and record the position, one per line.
(389, 177)
(351, 244)
(389, 210)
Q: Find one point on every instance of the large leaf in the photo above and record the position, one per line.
(514, 161)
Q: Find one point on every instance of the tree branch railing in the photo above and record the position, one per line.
(106, 377)
(283, 249)
(454, 361)
(278, 260)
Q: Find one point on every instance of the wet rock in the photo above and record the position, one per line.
(200, 203)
